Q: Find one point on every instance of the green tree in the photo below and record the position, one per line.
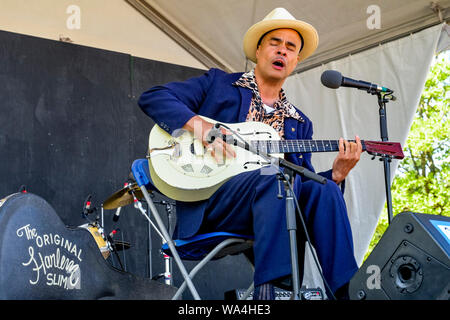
(422, 181)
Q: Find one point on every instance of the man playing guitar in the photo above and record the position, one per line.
(247, 203)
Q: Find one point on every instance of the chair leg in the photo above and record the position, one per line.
(204, 261)
(170, 243)
(248, 291)
(251, 288)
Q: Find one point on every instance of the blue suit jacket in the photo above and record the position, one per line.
(212, 95)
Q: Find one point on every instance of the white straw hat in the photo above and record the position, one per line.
(280, 18)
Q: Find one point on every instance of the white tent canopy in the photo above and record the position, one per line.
(212, 30)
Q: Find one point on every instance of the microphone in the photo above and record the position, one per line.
(117, 214)
(112, 233)
(87, 209)
(334, 79)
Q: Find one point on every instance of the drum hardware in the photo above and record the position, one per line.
(97, 234)
(138, 205)
(106, 244)
(167, 260)
(118, 245)
(131, 193)
(102, 215)
(167, 274)
(121, 245)
(89, 209)
(114, 247)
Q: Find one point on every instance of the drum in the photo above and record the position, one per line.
(98, 237)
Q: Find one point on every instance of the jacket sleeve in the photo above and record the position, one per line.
(173, 104)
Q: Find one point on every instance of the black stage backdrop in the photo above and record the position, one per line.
(70, 127)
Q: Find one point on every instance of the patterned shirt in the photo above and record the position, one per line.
(282, 108)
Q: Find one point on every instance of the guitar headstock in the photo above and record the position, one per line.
(384, 149)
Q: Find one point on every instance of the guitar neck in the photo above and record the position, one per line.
(303, 146)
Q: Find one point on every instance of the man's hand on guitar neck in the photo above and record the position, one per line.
(218, 148)
(348, 156)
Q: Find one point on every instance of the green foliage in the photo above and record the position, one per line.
(422, 181)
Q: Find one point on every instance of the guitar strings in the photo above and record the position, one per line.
(283, 146)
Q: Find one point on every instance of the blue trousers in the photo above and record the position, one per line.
(248, 204)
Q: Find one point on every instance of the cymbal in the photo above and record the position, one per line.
(123, 197)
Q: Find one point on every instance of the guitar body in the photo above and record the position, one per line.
(182, 169)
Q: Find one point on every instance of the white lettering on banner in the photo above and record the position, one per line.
(57, 268)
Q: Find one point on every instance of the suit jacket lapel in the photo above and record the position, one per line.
(246, 97)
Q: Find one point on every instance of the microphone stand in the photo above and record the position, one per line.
(290, 169)
(383, 98)
(334, 79)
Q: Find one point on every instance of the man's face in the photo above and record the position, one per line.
(277, 55)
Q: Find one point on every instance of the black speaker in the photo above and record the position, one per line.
(410, 262)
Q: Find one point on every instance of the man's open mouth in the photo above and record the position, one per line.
(278, 64)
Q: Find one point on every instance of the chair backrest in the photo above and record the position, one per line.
(141, 173)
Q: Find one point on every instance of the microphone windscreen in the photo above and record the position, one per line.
(331, 79)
